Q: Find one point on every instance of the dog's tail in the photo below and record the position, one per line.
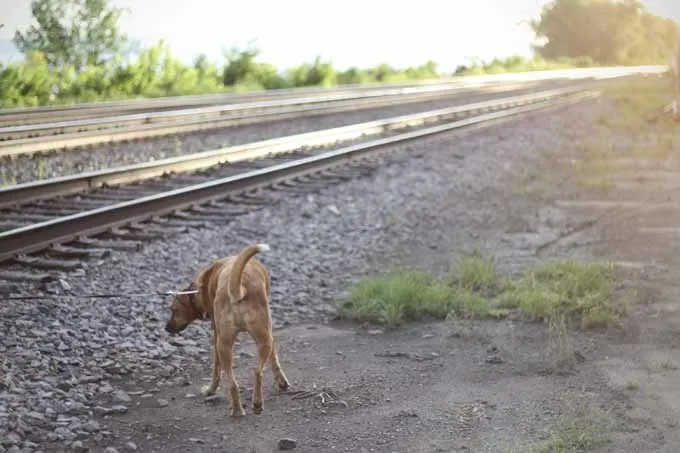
(237, 268)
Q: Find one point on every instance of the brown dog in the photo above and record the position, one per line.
(234, 294)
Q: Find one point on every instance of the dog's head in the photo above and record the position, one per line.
(184, 310)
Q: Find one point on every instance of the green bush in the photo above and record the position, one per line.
(156, 72)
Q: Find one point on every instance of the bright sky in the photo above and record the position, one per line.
(349, 32)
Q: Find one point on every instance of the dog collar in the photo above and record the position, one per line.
(191, 292)
(194, 302)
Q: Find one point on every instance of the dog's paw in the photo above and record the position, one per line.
(257, 408)
(238, 412)
(282, 383)
(208, 390)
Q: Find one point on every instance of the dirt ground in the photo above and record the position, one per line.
(425, 388)
(483, 386)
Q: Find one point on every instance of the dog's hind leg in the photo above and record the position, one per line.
(225, 350)
(211, 388)
(264, 351)
(279, 375)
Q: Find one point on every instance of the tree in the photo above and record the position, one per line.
(607, 31)
(240, 63)
(75, 32)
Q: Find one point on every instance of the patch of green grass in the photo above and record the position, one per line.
(570, 435)
(584, 290)
(398, 297)
(551, 293)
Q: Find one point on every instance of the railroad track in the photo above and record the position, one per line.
(32, 115)
(58, 228)
(74, 134)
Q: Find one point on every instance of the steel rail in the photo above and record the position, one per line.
(68, 141)
(65, 185)
(33, 238)
(32, 114)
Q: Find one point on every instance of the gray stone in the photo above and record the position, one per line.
(120, 396)
(78, 447)
(92, 426)
(117, 409)
(286, 444)
(11, 439)
(64, 433)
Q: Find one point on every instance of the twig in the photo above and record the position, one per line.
(404, 355)
(326, 396)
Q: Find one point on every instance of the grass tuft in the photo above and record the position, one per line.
(582, 290)
(632, 384)
(572, 435)
(398, 297)
(475, 273)
(579, 428)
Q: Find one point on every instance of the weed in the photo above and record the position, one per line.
(632, 384)
(668, 364)
(7, 381)
(475, 273)
(602, 120)
(580, 433)
(392, 218)
(558, 340)
(8, 180)
(579, 429)
(41, 169)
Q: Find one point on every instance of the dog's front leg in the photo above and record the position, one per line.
(211, 388)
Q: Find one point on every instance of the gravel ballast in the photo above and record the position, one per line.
(62, 358)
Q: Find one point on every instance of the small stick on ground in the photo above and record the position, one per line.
(326, 396)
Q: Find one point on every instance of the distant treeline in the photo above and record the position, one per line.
(75, 51)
